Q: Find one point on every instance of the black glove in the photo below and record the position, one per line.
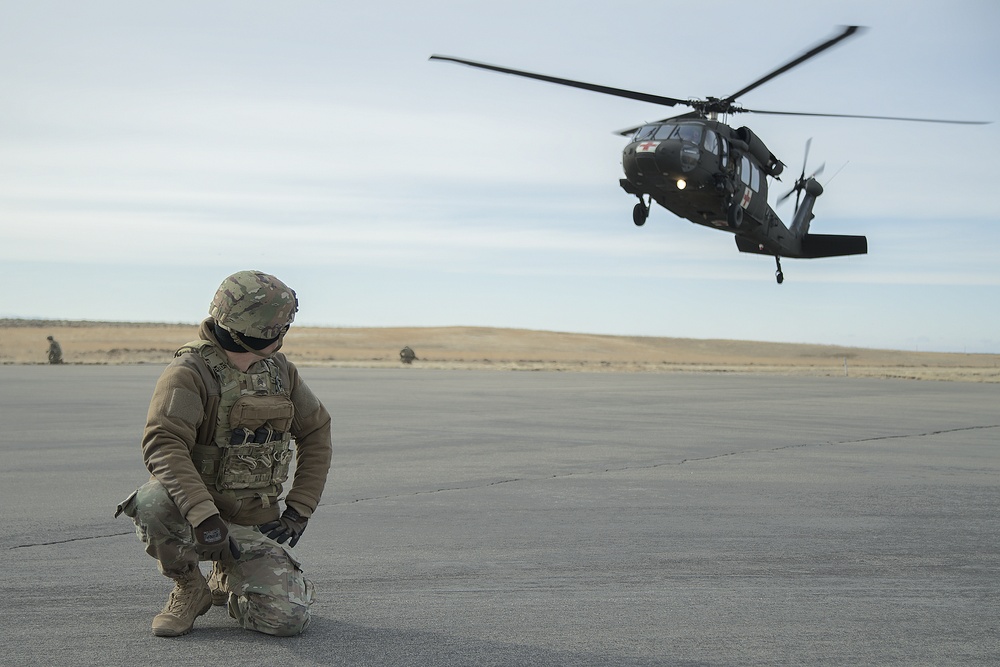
(212, 539)
(289, 525)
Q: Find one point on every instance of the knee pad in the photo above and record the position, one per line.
(278, 616)
(269, 593)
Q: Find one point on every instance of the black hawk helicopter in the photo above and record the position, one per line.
(701, 169)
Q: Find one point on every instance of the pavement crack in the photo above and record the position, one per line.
(924, 435)
(837, 443)
(429, 491)
(652, 466)
(579, 473)
(69, 540)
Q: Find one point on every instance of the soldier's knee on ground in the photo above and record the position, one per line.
(270, 615)
(269, 593)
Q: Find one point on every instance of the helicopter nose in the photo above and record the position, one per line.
(652, 161)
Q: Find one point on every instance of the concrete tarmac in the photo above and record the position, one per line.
(526, 518)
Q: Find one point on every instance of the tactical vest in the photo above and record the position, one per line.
(250, 447)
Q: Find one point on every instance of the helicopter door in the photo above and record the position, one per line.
(717, 146)
(749, 194)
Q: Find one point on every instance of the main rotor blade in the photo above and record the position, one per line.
(844, 34)
(617, 92)
(847, 115)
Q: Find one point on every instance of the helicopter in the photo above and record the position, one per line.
(701, 169)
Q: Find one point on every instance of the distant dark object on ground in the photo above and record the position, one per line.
(55, 351)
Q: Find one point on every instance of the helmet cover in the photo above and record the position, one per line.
(254, 304)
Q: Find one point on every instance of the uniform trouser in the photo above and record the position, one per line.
(268, 592)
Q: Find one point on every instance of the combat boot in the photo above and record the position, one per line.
(218, 583)
(189, 600)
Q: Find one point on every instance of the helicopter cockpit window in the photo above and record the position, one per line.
(690, 133)
(665, 131)
(711, 145)
(645, 132)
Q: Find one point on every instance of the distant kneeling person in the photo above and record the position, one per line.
(55, 351)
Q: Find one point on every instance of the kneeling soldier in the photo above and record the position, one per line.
(218, 442)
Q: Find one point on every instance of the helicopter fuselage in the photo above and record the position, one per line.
(711, 174)
(707, 172)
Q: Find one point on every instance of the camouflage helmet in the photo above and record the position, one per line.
(254, 304)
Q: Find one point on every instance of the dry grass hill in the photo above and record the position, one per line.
(24, 342)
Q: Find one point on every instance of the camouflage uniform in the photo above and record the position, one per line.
(265, 589)
(184, 447)
(407, 355)
(55, 351)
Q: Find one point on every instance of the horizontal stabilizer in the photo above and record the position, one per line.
(813, 245)
(746, 245)
(833, 245)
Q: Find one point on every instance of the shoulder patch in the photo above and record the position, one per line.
(185, 405)
(305, 401)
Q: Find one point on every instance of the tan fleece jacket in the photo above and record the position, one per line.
(182, 412)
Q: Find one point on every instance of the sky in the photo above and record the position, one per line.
(148, 150)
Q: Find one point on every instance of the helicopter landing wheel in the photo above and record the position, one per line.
(639, 214)
(735, 215)
(778, 275)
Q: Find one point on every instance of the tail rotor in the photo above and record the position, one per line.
(800, 184)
